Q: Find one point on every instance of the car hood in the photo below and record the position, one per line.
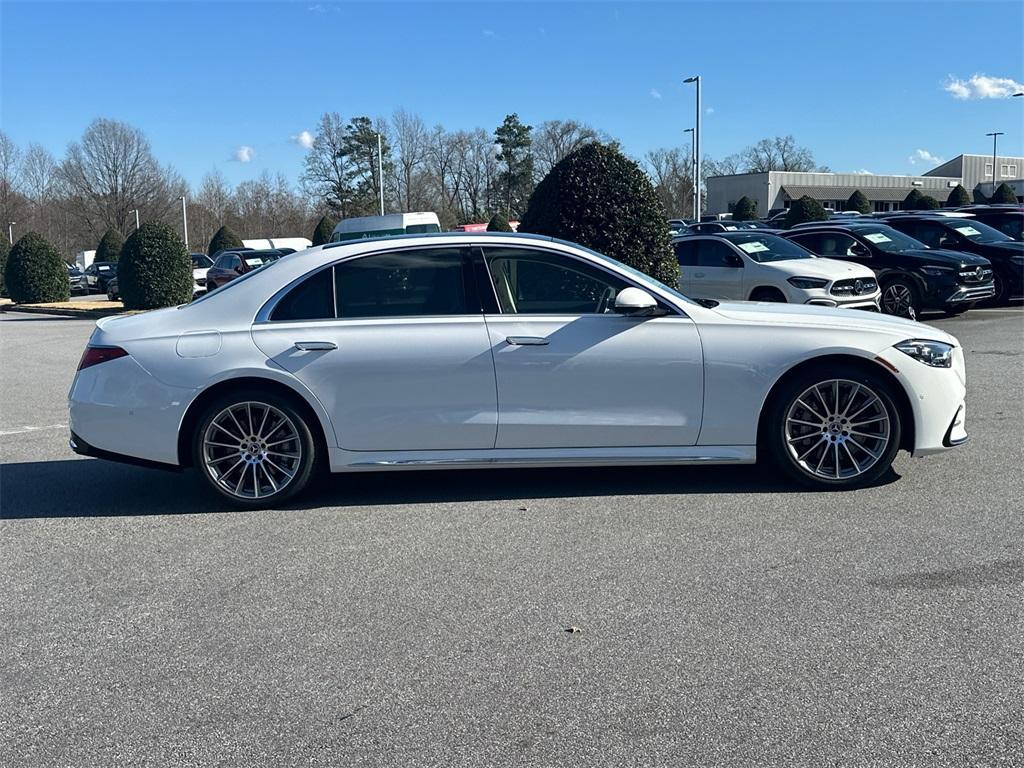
(945, 258)
(1007, 247)
(199, 272)
(808, 315)
(829, 269)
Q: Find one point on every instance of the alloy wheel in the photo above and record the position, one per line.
(897, 299)
(252, 450)
(837, 429)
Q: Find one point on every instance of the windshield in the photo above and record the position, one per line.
(890, 240)
(977, 232)
(764, 248)
(1010, 224)
(201, 262)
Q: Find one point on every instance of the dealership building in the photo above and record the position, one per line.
(775, 190)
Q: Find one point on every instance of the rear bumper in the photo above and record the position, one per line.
(81, 447)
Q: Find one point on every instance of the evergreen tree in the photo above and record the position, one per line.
(1004, 194)
(324, 230)
(110, 246)
(958, 197)
(805, 209)
(858, 202)
(744, 210)
(912, 202)
(513, 138)
(223, 239)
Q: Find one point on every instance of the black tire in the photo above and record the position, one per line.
(900, 297)
(1002, 295)
(303, 444)
(777, 437)
(768, 294)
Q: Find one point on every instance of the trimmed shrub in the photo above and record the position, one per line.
(958, 197)
(858, 202)
(225, 237)
(155, 270)
(110, 246)
(912, 202)
(744, 210)
(928, 203)
(324, 230)
(1004, 194)
(599, 198)
(35, 272)
(5, 248)
(805, 209)
(498, 223)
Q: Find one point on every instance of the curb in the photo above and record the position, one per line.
(85, 314)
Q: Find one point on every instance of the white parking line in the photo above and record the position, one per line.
(22, 430)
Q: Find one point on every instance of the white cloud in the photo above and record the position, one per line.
(304, 139)
(982, 87)
(710, 110)
(864, 172)
(655, 94)
(924, 156)
(244, 154)
(489, 33)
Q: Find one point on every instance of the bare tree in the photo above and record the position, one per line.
(726, 166)
(671, 170)
(780, 153)
(410, 140)
(554, 139)
(328, 168)
(38, 179)
(112, 171)
(12, 202)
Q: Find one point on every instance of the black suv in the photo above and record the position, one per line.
(971, 236)
(1008, 219)
(913, 276)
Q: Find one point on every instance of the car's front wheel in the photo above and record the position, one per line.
(834, 428)
(899, 297)
(254, 448)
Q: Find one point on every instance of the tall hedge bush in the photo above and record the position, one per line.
(110, 246)
(223, 238)
(324, 230)
(928, 203)
(858, 202)
(5, 248)
(958, 197)
(912, 202)
(155, 269)
(599, 198)
(805, 209)
(744, 210)
(498, 223)
(1004, 194)
(35, 272)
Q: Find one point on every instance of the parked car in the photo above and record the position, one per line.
(496, 350)
(971, 236)
(712, 227)
(112, 289)
(77, 281)
(235, 263)
(98, 274)
(913, 276)
(1008, 219)
(736, 266)
(201, 264)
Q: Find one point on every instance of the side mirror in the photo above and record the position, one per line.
(860, 250)
(947, 241)
(735, 261)
(634, 302)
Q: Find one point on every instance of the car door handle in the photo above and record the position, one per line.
(527, 341)
(698, 274)
(315, 346)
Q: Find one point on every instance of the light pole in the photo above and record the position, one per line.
(136, 212)
(995, 137)
(184, 220)
(696, 153)
(380, 173)
(10, 231)
(693, 165)
(1018, 93)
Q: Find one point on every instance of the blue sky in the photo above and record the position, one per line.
(867, 86)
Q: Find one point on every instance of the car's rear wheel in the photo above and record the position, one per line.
(834, 428)
(899, 297)
(254, 448)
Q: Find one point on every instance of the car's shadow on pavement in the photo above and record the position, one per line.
(95, 488)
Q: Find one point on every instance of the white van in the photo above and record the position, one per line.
(382, 226)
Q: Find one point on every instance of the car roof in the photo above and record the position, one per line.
(853, 225)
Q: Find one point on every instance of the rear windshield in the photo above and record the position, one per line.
(419, 229)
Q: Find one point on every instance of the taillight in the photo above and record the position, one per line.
(97, 355)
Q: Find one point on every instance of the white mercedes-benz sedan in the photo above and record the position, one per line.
(495, 350)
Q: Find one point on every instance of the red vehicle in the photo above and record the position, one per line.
(231, 264)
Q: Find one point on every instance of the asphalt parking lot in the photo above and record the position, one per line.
(420, 619)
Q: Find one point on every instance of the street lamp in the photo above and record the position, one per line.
(696, 152)
(1018, 93)
(136, 212)
(995, 136)
(693, 165)
(10, 231)
(380, 173)
(184, 221)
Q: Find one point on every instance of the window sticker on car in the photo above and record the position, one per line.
(967, 231)
(729, 228)
(752, 247)
(877, 237)
(254, 262)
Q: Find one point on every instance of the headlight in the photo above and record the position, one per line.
(934, 353)
(936, 271)
(807, 282)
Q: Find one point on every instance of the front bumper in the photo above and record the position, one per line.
(964, 293)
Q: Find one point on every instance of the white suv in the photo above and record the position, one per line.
(748, 265)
